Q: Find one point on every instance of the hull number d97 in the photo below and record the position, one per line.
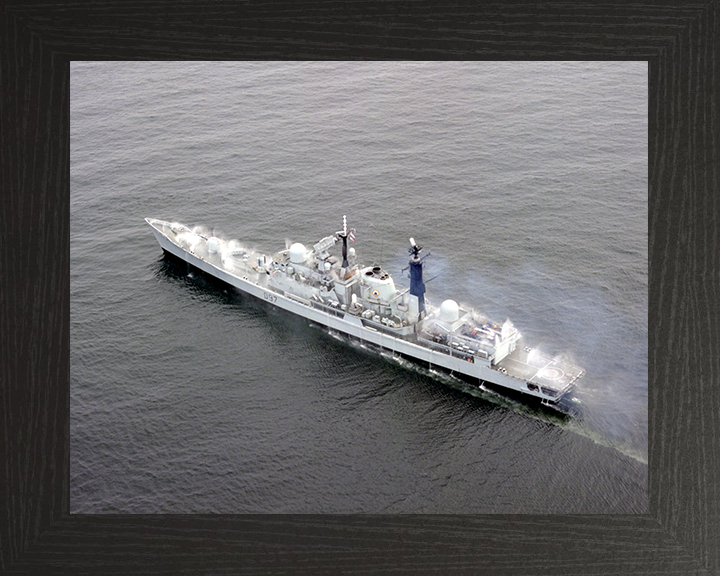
(270, 297)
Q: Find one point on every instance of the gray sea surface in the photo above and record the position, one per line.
(527, 182)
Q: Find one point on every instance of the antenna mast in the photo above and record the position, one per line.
(343, 234)
(417, 286)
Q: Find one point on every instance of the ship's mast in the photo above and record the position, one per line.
(343, 234)
(417, 286)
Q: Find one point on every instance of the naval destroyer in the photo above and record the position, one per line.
(363, 302)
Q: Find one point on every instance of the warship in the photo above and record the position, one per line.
(363, 302)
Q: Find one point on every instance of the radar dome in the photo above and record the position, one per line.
(449, 311)
(297, 253)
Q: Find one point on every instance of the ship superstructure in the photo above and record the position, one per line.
(363, 302)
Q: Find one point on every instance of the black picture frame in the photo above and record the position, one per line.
(681, 43)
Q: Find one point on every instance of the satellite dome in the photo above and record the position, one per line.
(449, 311)
(297, 253)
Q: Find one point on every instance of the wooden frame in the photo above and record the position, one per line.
(681, 42)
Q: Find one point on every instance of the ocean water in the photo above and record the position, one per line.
(528, 184)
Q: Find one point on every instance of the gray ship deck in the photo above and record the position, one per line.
(537, 368)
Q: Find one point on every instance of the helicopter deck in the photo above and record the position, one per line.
(540, 370)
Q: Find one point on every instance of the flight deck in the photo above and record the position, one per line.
(540, 371)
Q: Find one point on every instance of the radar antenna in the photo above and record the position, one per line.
(414, 249)
(414, 252)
